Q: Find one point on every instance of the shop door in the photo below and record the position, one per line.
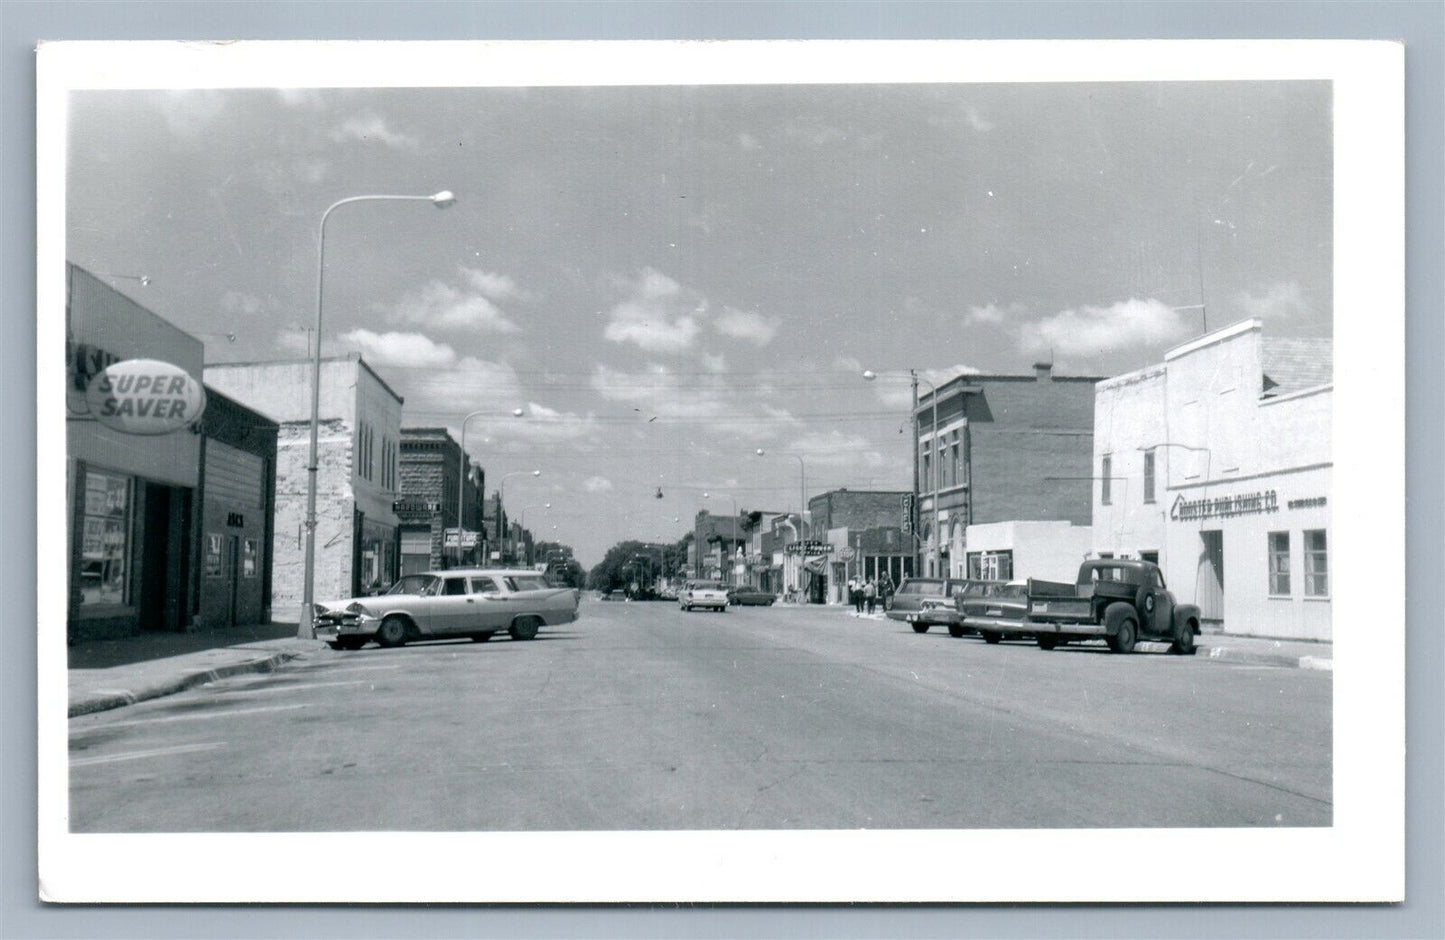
(232, 563)
(1209, 581)
(155, 562)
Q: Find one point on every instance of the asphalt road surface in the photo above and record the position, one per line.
(640, 716)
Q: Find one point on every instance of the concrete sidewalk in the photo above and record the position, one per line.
(1221, 647)
(107, 674)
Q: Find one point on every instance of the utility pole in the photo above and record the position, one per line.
(914, 513)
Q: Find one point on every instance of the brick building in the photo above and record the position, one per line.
(869, 524)
(432, 467)
(358, 461)
(1006, 447)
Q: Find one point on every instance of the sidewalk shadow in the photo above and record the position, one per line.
(103, 654)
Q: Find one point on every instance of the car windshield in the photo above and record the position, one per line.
(1007, 590)
(921, 587)
(970, 588)
(413, 584)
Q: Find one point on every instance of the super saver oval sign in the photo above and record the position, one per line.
(145, 396)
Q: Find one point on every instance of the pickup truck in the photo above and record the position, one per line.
(1118, 600)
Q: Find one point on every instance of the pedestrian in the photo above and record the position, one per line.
(885, 590)
(870, 594)
(855, 596)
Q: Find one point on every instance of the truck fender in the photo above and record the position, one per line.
(1115, 613)
(1183, 613)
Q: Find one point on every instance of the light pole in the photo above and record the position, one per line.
(501, 504)
(462, 478)
(802, 488)
(304, 628)
(868, 376)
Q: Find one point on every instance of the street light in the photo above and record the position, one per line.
(462, 478)
(802, 486)
(934, 459)
(442, 200)
(502, 501)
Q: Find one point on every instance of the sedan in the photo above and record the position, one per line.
(474, 603)
(751, 597)
(709, 594)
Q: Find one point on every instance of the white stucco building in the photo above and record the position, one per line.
(358, 475)
(1217, 464)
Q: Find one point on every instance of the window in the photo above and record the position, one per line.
(455, 587)
(214, 557)
(105, 539)
(926, 484)
(954, 477)
(1105, 470)
(1279, 564)
(1317, 564)
(1149, 475)
(248, 558)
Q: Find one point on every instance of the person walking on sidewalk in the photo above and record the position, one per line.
(885, 591)
(855, 595)
(870, 594)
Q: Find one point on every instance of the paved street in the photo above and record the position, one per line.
(640, 716)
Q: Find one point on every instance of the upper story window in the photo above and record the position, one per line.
(1106, 469)
(1149, 475)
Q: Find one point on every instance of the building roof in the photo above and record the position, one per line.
(1294, 363)
(345, 357)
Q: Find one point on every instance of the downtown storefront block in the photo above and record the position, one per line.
(436, 482)
(358, 473)
(131, 499)
(1217, 464)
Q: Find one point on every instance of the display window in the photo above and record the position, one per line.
(250, 555)
(105, 539)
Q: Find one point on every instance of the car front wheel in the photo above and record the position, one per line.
(991, 638)
(392, 632)
(920, 628)
(955, 631)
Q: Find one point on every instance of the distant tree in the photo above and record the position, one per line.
(562, 568)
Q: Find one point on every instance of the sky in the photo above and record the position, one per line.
(667, 279)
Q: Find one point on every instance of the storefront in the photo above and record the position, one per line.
(131, 497)
(1217, 464)
(238, 498)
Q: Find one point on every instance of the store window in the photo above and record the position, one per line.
(1279, 564)
(1317, 564)
(1149, 475)
(250, 552)
(215, 557)
(1106, 469)
(378, 556)
(105, 539)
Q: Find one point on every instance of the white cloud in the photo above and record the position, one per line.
(294, 339)
(748, 142)
(752, 327)
(976, 120)
(407, 350)
(715, 364)
(368, 127)
(439, 304)
(234, 301)
(1283, 301)
(1088, 331)
(992, 314)
(597, 485)
(835, 448)
(848, 364)
(495, 286)
(709, 400)
(660, 315)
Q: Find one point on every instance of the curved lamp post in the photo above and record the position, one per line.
(462, 476)
(802, 489)
(442, 200)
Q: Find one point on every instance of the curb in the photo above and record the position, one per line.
(106, 700)
(1236, 655)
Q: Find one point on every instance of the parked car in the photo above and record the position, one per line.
(475, 603)
(1118, 600)
(751, 597)
(928, 602)
(998, 610)
(710, 594)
